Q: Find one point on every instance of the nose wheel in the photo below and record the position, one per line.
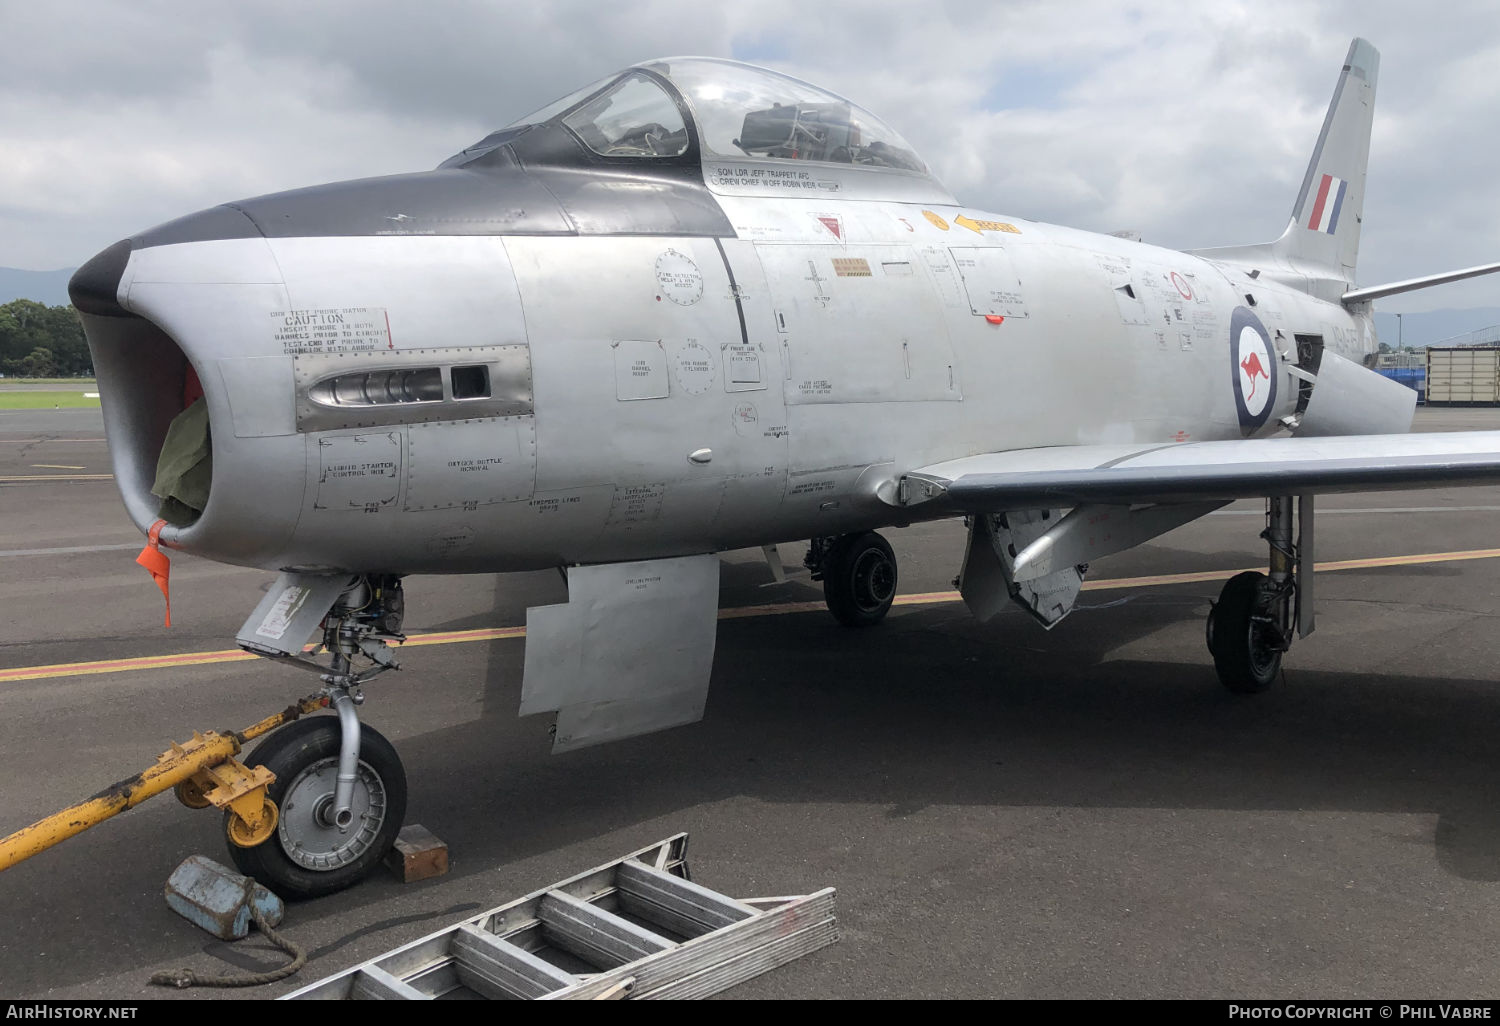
(859, 577)
(311, 853)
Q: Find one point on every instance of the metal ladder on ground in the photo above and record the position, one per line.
(634, 928)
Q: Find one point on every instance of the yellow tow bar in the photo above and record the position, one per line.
(203, 771)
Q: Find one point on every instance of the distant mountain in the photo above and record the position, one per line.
(47, 287)
(1420, 329)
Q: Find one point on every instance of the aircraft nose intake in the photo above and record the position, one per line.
(94, 287)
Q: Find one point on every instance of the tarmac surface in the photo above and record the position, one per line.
(1006, 812)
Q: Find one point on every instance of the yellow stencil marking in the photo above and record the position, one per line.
(980, 227)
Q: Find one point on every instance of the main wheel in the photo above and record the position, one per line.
(307, 856)
(1242, 635)
(859, 579)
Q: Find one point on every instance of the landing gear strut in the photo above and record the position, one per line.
(858, 572)
(1252, 624)
(340, 789)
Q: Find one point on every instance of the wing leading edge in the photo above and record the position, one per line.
(1198, 471)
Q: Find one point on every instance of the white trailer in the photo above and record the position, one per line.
(1463, 374)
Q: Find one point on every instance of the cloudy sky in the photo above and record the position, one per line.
(1190, 123)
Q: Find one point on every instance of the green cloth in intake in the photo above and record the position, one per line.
(185, 467)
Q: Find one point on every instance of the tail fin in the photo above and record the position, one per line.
(1320, 246)
(1325, 222)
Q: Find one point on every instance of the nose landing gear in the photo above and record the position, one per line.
(310, 854)
(339, 793)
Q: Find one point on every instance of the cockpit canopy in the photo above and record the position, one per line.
(751, 112)
(716, 110)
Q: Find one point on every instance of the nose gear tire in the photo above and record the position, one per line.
(306, 856)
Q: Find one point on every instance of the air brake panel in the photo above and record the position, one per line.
(629, 653)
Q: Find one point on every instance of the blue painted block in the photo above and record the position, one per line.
(219, 899)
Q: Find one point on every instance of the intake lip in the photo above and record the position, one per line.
(225, 221)
(94, 287)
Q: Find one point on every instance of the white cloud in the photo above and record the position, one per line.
(1188, 123)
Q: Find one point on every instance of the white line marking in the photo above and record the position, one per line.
(70, 550)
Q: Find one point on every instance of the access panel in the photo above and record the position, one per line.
(859, 324)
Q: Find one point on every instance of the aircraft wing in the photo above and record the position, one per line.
(1072, 475)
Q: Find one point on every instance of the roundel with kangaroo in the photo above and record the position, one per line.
(1253, 369)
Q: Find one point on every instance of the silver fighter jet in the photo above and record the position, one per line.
(699, 306)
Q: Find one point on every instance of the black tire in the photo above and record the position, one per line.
(303, 858)
(1246, 650)
(859, 579)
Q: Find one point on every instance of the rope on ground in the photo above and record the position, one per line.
(184, 978)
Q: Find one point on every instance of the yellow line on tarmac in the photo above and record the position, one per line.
(455, 637)
(228, 655)
(162, 662)
(123, 665)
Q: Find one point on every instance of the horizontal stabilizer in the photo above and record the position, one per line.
(1413, 284)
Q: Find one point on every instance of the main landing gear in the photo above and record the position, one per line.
(858, 572)
(340, 789)
(1251, 626)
